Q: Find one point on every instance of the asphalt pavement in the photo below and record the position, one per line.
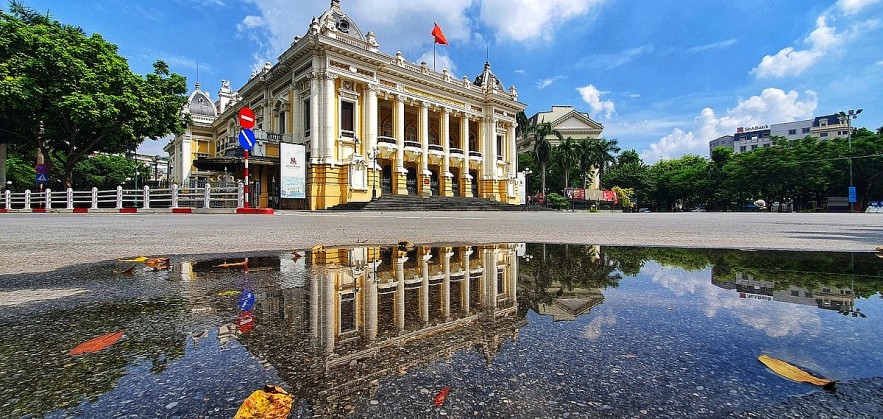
(44, 242)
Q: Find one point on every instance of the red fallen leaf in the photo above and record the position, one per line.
(97, 344)
(440, 398)
(130, 271)
(233, 264)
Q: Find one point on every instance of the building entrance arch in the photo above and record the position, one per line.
(475, 181)
(386, 179)
(433, 182)
(455, 182)
(411, 181)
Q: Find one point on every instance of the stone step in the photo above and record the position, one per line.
(432, 203)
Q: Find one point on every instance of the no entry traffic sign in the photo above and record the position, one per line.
(246, 139)
(246, 118)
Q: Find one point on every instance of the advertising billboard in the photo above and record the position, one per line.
(292, 163)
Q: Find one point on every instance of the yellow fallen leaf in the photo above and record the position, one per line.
(271, 402)
(137, 259)
(791, 372)
(229, 293)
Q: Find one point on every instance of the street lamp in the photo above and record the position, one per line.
(156, 170)
(527, 173)
(848, 117)
(373, 154)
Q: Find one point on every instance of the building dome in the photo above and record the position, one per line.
(336, 21)
(486, 77)
(199, 103)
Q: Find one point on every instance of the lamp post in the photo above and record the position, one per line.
(527, 173)
(373, 156)
(156, 170)
(848, 117)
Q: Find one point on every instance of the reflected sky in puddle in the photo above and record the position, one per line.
(513, 329)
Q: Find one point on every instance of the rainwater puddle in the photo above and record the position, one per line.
(510, 330)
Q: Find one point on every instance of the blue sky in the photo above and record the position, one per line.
(664, 77)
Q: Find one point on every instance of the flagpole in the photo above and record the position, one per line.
(433, 56)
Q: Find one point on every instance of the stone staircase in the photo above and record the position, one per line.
(389, 202)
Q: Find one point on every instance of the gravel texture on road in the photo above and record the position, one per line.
(44, 242)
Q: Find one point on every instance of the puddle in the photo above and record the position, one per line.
(521, 330)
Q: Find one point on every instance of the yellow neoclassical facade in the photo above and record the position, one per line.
(372, 124)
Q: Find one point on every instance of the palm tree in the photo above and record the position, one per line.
(605, 154)
(538, 132)
(586, 150)
(567, 154)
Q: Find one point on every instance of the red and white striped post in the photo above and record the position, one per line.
(245, 205)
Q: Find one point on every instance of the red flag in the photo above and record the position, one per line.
(439, 36)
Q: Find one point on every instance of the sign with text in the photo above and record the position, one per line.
(293, 168)
(852, 194)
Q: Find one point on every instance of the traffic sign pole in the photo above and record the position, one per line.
(246, 178)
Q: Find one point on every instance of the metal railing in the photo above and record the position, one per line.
(206, 196)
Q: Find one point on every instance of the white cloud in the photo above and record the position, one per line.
(592, 96)
(593, 330)
(542, 84)
(522, 20)
(250, 22)
(611, 61)
(772, 106)
(823, 41)
(851, 7)
(716, 45)
(634, 95)
(520, 72)
(791, 62)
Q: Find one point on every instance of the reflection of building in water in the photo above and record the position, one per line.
(366, 313)
(750, 287)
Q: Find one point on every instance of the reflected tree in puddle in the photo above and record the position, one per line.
(338, 324)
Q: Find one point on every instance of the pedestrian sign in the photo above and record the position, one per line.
(42, 178)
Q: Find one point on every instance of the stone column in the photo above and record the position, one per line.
(424, 290)
(466, 280)
(399, 172)
(315, 283)
(465, 182)
(371, 307)
(329, 292)
(370, 127)
(328, 121)
(446, 285)
(314, 117)
(446, 146)
(423, 136)
(400, 293)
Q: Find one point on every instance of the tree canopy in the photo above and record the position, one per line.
(67, 94)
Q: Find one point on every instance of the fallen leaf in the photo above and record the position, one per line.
(440, 398)
(270, 402)
(318, 248)
(629, 356)
(879, 248)
(791, 372)
(97, 344)
(129, 271)
(229, 293)
(157, 263)
(296, 255)
(137, 259)
(233, 264)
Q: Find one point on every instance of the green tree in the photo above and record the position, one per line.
(104, 172)
(67, 94)
(566, 156)
(604, 154)
(538, 134)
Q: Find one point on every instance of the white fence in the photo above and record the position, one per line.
(119, 198)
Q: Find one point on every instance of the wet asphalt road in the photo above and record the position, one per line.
(44, 242)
